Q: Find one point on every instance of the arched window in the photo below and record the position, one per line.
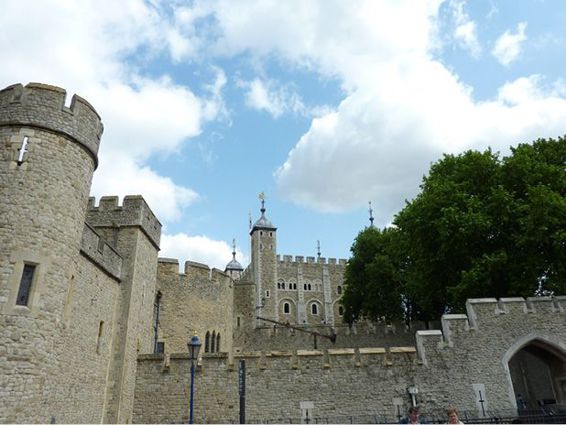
(310, 287)
(212, 340)
(283, 285)
(340, 311)
(218, 343)
(207, 342)
(286, 308)
(294, 286)
(339, 290)
(305, 286)
(314, 308)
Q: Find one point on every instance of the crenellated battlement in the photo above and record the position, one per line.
(311, 359)
(100, 252)
(300, 259)
(504, 316)
(134, 211)
(194, 272)
(43, 106)
(203, 272)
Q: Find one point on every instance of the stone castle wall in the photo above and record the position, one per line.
(316, 282)
(357, 336)
(44, 185)
(133, 231)
(84, 349)
(43, 106)
(199, 300)
(480, 344)
(447, 367)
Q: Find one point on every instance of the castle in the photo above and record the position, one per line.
(94, 325)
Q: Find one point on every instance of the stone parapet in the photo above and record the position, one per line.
(43, 106)
(300, 259)
(134, 211)
(100, 252)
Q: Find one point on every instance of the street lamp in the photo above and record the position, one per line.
(194, 347)
(413, 391)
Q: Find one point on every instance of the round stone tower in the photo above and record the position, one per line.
(48, 152)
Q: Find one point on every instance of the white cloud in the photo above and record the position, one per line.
(215, 254)
(83, 48)
(508, 46)
(121, 176)
(89, 51)
(268, 96)
(402, 109)
(465, 31)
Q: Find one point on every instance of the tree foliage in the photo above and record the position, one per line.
(482, 226)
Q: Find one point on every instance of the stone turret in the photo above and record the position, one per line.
(48, 153)
(264, 265)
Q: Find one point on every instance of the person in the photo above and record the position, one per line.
(413, 417)
(453, 416)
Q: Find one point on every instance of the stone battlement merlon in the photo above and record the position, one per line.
(194, 271)
(325, 359)
(133, 212)
(481, 310)
(485, 312)
(101, 253)
(43, 106)
(300, 259)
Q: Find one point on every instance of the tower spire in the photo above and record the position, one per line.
(234, 249)
(261, 196)
(318, 248)
(370, 215)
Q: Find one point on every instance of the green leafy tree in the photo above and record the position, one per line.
(481, 226)
(373, 277)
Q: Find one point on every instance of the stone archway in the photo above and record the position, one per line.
(537, 371)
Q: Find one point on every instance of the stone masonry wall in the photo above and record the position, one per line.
(85, 346)
(43, 192)
(479, 345)
(199, 300)
(322, 278)
(359, 335)
(132, 333)
(471, 350)
(336, 381)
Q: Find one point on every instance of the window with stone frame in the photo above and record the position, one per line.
(207, 342)
(26, 283)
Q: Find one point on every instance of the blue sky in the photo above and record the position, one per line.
(321, 105)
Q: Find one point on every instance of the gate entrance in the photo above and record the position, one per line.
(538, 374)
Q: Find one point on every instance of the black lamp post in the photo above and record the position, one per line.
(194, 347)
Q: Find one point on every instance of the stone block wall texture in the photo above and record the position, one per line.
(359, 335)
(322, 278)
(472, 349)
(133, 330)
(199, 300)
(42, 212)
(84, 350)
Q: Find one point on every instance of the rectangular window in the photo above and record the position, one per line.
(25, 284)
(160, 348)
